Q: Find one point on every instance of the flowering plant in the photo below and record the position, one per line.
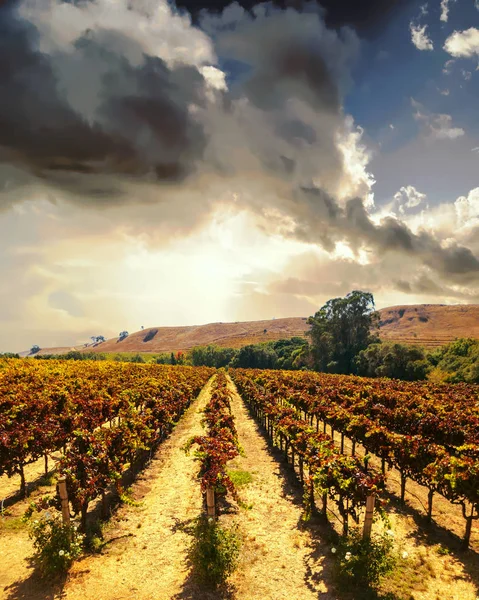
(56, 545)
(362, 562)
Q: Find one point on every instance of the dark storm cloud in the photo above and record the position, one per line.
(289, 75)
(142, 123)
(330, 222)
(367, 16)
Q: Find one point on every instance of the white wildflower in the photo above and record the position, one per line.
(61, 552)
(347, 556)
(405, 554)
(333, 550)
(390, 532)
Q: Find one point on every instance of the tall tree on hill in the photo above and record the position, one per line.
(341, 329)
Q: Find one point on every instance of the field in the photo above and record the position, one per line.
(272, 441)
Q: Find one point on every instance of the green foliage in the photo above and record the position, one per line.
(214, 552)
(73, 355)
(163, 359)
(458, 361)
(340, 330)
(126, 497)
(239, 477)
(362, 563)
(396, 361)
(256, 356)
(211, 356)
(281, 354)
(56, 545)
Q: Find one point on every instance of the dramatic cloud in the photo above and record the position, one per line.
(145, 160)
(420, 38)
(463, 44)
(80, 101)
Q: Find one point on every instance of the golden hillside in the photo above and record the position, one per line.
(429, 325)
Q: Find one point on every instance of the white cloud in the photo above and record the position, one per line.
(437, 126)
(467, 209)
(447, 69)
(153, 26)
(445, 10)
(442, 129)
(463, 44)
(408, 197)
(445, 92)
(420, 38)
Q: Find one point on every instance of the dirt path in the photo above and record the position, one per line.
(278, 552)
(146, 556)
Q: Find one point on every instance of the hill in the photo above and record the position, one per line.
(430, 325)
(172, 339)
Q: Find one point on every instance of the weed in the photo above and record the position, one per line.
(239, 477)
(361, 562)
(214, 552)
(126, 497)
(55, 545)
(14, 524)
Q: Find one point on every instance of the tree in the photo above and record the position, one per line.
(397, 361)
(97, 339)
(122, 335)
(34, 349)
(341, 329)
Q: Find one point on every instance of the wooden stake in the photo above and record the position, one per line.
(210, 502)
(368, 519)
(62, 490)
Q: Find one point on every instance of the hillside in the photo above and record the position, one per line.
(172, 339)
(430, 325)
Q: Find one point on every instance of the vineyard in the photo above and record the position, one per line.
(102, 416)
(415, 428)
(341, 439)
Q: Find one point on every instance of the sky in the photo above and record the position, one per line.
(178, 164)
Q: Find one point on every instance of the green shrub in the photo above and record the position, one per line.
(362, 563)
(56, 545)
(214, 552)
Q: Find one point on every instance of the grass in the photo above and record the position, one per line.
(126, 497)
(410, 575)
(239, 477)
(47, 480)
(12, 524)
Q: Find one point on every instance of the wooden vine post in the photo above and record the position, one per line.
(62, 490)
(210, 502)
(368, 519)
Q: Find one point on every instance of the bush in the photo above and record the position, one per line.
(214, 552)
(56, 545)
(363, 562)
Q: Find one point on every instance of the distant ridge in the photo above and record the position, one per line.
(430, 325)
